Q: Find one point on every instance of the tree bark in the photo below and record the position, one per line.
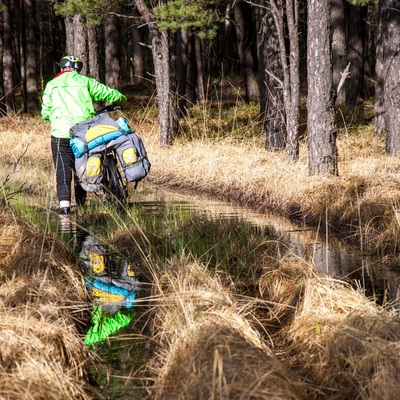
(390, 19)
(93, 64)
(339, 46)
(292, 82)
(8, 76)
(32, 99)
(379, 109)
(138, 57)
(280, 76)
(182, 68)
(166, 95)
(356, 45)
(111, 52)
(322, 150)
(201, 96)
(76, 39)
(247, 63)
(271, 75)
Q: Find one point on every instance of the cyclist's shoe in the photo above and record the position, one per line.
(65, 211)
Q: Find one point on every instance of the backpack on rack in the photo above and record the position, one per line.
(92, 138)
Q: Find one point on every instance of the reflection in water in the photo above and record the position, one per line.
(114, 286)
(330, 255)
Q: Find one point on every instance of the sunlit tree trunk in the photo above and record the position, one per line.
(322, 150)
(76, 39)
(292, 81)
(200, 90)
(166, 94)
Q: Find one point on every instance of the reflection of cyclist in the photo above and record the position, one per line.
(68, 99)
(115, 289)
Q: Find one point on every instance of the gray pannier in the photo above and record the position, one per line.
(95, 137)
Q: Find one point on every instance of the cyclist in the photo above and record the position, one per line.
(68, 99)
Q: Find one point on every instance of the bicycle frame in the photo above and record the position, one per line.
(114, 184)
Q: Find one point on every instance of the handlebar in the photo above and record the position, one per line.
(110, 107)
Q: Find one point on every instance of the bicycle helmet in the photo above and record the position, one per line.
(71, 62)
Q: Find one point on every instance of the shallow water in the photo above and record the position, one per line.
(116, 287)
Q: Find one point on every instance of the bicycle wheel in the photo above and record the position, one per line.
(116, 189)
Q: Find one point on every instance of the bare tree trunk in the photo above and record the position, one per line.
(166, 94)
(93, 65)
(390, 19)
(8, 76)
(21, 39)
(247, 62)
(339, 46)
(30, 53)
(199, 69)
(379, 109)
(356, 44)
(182, 68)
(111, 51)
(322, 150)
(281, 70)
(292, 82)
(271, 75)
(138, 57)
(76, 39)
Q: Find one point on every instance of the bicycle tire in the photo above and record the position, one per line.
(115, 188)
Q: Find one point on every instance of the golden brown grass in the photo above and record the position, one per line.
(207, 348)
(350, 346)
(42, 297)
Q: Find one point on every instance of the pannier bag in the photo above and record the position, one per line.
(94, 137)
(90, 172)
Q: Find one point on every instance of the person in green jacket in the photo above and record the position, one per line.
(68, 99)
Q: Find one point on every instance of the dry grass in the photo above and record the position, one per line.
(207, 348)
(42, 294)
(350, 345)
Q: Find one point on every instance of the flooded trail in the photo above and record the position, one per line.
(330, 255)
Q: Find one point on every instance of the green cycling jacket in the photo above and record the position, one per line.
(68, 99)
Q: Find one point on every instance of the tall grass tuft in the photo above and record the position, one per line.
(42, 314)
(206, 346)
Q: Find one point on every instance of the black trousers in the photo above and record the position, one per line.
(64, 164)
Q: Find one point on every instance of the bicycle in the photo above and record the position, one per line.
(108, 155)
(115, 186)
